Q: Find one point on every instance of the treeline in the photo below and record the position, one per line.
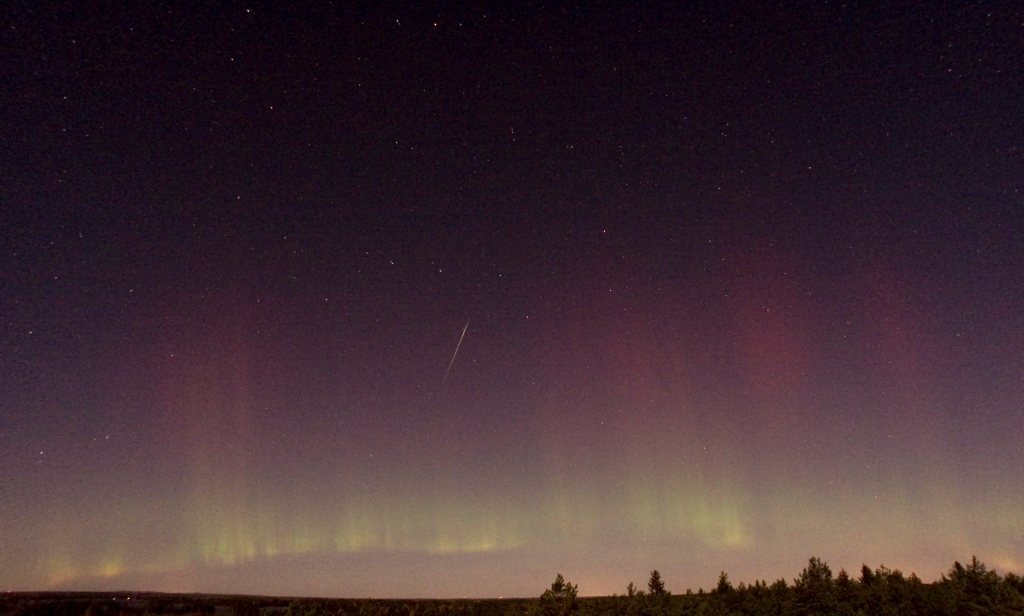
(962, 591)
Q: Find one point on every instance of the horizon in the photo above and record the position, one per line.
(398, 300)
(710, 588)
(98, 585)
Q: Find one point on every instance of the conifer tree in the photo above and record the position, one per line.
(724, 585)
(814, 589)
(560, 599)
(655, 586)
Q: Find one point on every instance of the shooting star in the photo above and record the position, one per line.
(456, 352)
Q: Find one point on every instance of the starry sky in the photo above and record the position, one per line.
(743, 285)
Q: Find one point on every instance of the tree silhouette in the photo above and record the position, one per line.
(560, 599)
(636, 601)
(724, 585)
(655, 586)
(814, 589)
(977, 590)
(867, 576)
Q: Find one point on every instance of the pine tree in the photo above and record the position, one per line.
(867, 576)
(655, 586)
(724, 585)
(815, 590)
(560, 599)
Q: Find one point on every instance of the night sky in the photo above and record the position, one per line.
(743, 285)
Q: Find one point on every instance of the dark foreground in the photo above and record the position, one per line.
(962, 591)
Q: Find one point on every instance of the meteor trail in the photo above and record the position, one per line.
(456, 351)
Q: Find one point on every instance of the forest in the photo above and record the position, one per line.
(964, 590)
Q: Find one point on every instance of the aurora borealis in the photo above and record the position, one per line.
(744, 285)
